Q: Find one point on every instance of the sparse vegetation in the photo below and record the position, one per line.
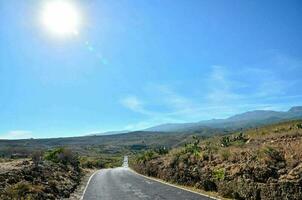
(24, 191)
(62, 155)
(234, 165)
(193, 147)
(259, 163)
(38, 178)
(53, 174)
(162, 150)
(100, 161)
(146, 156)
(37, 157)
(219, 174)
(237, 140)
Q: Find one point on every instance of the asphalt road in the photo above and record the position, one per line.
(123, 184)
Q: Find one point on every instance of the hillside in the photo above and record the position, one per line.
(244, 120)
(168, 135)
(260, 163)
(107, 144)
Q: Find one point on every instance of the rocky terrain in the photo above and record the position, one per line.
(58, 173)
(24, 179)
(260, 163)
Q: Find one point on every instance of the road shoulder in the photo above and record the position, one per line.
(211, 195)
(79, 192)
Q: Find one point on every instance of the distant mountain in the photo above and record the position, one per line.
(109, 133)
(255, 115)
(244, 120)
(295, 109)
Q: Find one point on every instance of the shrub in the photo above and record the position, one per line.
(23, 191)
(219, 174)
(62, 155)
(146, 156)
(209, 185)
(237, 140)
(225, 141)
(273, 153)
(210, 149)
(91, 162)
(225, 154)
(193, 147)
(36, 157)
(18, 190)
(162, 150)
(270, 154)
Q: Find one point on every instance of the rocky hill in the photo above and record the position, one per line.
(261, 163)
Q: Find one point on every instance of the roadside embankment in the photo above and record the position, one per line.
(262, 163)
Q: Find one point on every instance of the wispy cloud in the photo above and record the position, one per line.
(133, 103)
(176, 102)
(220, 86)
(169, 99)
(16, 134)
(223, 92)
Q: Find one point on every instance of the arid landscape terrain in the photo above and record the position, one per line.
(260, 163)
(253, 163)
(150, 100)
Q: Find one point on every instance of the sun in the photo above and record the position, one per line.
(61, 17)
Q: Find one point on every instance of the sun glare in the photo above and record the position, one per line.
(61, 17)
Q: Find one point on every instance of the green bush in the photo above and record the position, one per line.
(193, 147)
(219, 174)
(146, 156)
(161, 150)
(225, 141)
(62, 155)
(91, 162)
(236, 140)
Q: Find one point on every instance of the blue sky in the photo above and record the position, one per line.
(138, 63)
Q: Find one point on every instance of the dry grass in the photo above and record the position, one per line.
(12, 164)
(261, 155)
(286, 137)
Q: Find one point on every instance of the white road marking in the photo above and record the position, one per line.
(175, 186)
(88, 183)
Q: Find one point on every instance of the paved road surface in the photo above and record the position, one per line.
(123, 184)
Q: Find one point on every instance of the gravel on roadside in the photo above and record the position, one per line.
(77, 194)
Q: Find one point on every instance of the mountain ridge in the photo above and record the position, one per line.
(242, 120)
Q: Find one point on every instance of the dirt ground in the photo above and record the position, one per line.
(13, 164)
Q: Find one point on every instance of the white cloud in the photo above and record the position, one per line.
(220, 86)
(133, 103)
(175, 101)
(17, 134)
(224, 92)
